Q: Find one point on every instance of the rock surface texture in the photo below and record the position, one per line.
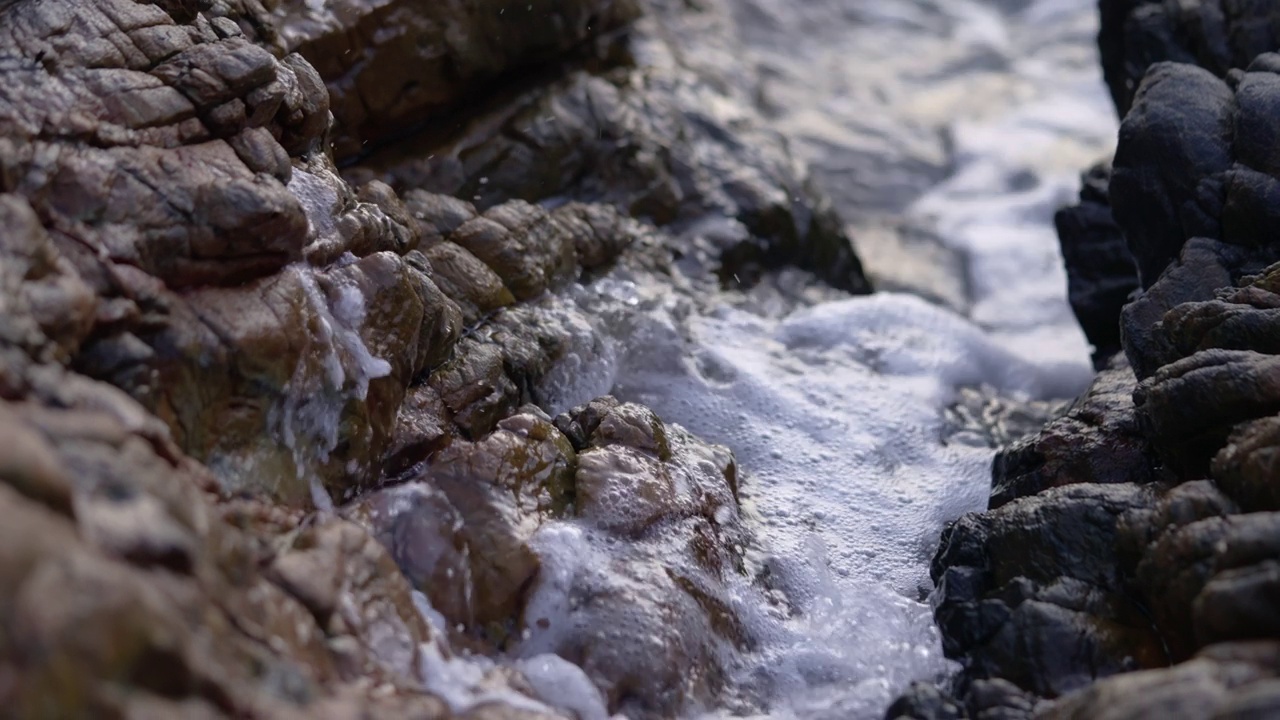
(1128, 566)
(281, 292)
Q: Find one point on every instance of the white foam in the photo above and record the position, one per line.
(334, 369)
(587, 367)
(564, 686)
(835, 411)
(465, 683)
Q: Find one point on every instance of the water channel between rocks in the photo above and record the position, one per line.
(948, 133)
(965, 123)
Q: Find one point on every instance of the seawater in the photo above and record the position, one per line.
(966, 120)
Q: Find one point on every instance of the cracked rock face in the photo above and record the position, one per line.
(277, 448)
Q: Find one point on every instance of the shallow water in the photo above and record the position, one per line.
(947, 133)
(964, 123)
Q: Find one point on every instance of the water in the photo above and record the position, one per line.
(947, 132)
(966, 123)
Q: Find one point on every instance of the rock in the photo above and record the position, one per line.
(1100, 271)
(1217, 35)
(1224, 681)
(1191, 192)
(393, 66)
(1246, 467)
(425, 536)
(1097, 440)
(620, 136)
(352, 588)
(504, 487)
(1174, 545)
(923, 701)
(211, 340)
(1175, 147)
(1203, 267)
(140, 597)
(649, 564)
(182, 166)
(1032, 592)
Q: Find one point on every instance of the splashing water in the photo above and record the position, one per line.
(968, 121)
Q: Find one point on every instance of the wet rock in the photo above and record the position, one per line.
(923, 701)
(649, 564)
(1191, 405)
(1174, 543)
(1097, 440)
(1100, 271)
(425, 536)
(392, 66)
(1204, 267)
(164, 164)
(181, 171)
(139, 596)
(1033, 593)
(504, 487)
(1194, 175)
(624, 136)
(1246, 467)
(1172, 154)
(352, 588)
(1217, 35)
(520, 244)
(1234, 680)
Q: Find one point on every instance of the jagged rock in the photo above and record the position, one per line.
(1191, 405)
(393, 65)
(1204, 267)
(504, 486)
(1175, 147)
(137, 596)
(651, 616)
(1096, 441)
(923, 701)
(424, 533)
(1033, 592)
(1173, 544)
(1100, 271)
(1233, 680)
(1246, 467)
(624, 137)
(1196, 168)
(1217, 35)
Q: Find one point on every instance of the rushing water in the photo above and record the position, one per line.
(948, 132)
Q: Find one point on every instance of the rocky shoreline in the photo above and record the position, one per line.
(307, 413)
(1127, 566)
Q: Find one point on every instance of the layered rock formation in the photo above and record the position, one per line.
(1137, 532)
(219, 351)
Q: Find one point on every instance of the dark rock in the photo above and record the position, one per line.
(923, 701)
(1217, 35)
(1100, 270)
(1190, 406)
(1096, 441)
(1174, 144)
(1246, 467)
(1033, 593)
(392, 66)
(1223, 681)
(1203, 267)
